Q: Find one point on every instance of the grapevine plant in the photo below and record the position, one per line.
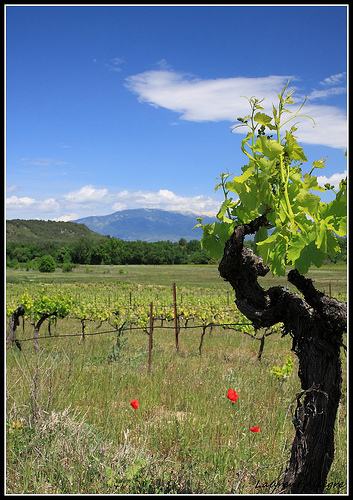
(277, 201)
(299, 228)
(37, 310)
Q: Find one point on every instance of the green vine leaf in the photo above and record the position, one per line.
(268, 147)
(305, 229)
(262, 118)
(292, 148)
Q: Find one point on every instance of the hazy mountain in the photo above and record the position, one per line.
(147, 225)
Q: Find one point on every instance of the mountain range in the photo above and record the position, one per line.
(146, 224)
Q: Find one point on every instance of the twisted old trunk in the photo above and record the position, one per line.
(14, 323)
(316, 324)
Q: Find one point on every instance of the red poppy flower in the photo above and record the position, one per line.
(135, 404)
(255, 429)
(232, 395)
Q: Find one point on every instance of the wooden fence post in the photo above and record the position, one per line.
(175, 319)
(150, 339)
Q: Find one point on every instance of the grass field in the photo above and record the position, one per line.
(70, 427)
(207, 276)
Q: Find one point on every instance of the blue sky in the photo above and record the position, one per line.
(117, 107)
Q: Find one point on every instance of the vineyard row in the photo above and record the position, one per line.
(203, 310)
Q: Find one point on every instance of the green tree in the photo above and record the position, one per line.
(180, 253)
(63, 254)
(22, 253)
(47, 264)
(199, 257)
(273, 199)
(193, 246)
(137, 252)
(81, 251)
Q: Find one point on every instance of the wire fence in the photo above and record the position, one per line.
(148, 328)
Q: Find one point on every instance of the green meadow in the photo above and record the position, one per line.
(70, 427)
(183, 275)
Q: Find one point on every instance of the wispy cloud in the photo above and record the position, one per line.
(330, 86)
(12, 189)
(221, 99)
(44, 162)
(335, 79)
(114, 64)
(320, 94)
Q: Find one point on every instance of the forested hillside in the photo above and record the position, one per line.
(47, 231)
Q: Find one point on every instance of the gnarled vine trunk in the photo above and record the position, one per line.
(14, 323)
(316, 324)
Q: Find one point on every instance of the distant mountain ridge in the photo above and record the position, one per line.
(146, 224)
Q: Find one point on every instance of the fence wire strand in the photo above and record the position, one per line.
(142, 329)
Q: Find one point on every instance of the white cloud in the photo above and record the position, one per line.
(66, 218)
(334, 180)
(330, 126)
(29, 208)
(87, 194)
(202, 100)
(119, 206)
(49, 205)
(166, 200)
(18, 203)
(88, 201)
(221, 99)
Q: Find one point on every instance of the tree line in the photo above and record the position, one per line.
(108, 251)
(117, 252)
